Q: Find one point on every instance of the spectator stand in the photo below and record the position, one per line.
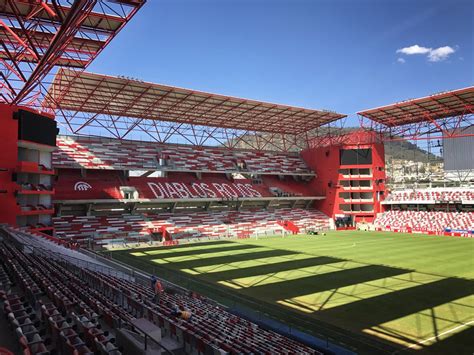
(121, 302)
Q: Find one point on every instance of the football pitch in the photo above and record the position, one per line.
(392, 292)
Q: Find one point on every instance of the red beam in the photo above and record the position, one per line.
(78, 13)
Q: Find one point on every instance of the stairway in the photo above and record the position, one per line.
(289, 226)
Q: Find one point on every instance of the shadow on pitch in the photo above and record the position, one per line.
(187, 252)
(323, 282)
(400, 303)
(179, 246)
(366, 313)
(271, 268)
(226, 259)
(461, 343)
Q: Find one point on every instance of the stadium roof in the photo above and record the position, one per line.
(46, 10)
(37, 36)
(429, 108)
(85, 48)
(123, 97)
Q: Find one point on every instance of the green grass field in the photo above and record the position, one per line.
(403, 293)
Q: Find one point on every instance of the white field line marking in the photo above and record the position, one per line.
(436, 336)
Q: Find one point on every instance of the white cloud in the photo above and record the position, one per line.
(433, 55)
(415, 49)
(441, 53)
(401, 60)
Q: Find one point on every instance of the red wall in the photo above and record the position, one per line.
(8, 160)
(325, 162)
(99, 184)
(9, 163)
(104, 184)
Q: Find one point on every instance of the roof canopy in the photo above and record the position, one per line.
(123, 97)
(429, 108)
(84, 48)
(38, 35)
(105, 17)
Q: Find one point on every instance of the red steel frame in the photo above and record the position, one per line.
(127, 108)
(84, 123)
(443, 115)
(124, 108)
(425, 121)
(38, 35)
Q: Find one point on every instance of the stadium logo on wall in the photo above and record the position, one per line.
(82, 186)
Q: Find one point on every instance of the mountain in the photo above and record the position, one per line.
(403, 150)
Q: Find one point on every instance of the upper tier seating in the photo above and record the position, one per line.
(429, 221)
(112, 154)
(431, 195)
(76, 305)
(137, 227)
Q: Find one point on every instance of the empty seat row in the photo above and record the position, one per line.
(81, 302)
(429, 221)
(435, 194)
(137, 227)
(107, 153)
(58, 318)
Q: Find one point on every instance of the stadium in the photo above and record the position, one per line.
(269, 228)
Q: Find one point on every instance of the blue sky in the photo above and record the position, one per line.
(339, 55)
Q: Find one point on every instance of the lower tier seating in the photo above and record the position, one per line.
(137, 227)
(59, 307)
(431, 221)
